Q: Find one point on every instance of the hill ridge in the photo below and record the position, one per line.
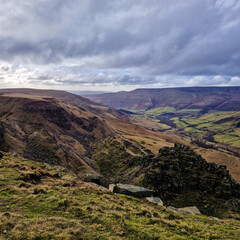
(205, 98)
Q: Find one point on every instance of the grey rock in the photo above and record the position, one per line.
(172, 208)
(111, 187)
(131, 190)
(156, 200)
(94, 178)
(190, 210)
(215, 218)
(186, 210)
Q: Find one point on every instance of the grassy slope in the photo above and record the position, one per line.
(36, 203)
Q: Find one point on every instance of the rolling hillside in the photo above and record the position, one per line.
(64, 96)
(203, 98)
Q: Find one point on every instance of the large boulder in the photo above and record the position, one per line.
(94, 178)
(131, 190)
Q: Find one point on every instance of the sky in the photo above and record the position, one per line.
(115, 45)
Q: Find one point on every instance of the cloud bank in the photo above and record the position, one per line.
(119, 44)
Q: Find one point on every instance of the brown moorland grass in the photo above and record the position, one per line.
(39, 201)
(232, 162)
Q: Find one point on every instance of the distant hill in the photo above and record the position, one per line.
(67, 97)
(45, 129)
(204, 98)
(83, 93)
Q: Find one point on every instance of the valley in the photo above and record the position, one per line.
(119, 120)
(62, 128)
(50, 140)
(207, 118)
(214, 130)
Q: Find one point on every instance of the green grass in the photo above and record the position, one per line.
(164, 126)
(195, 126)
(228, 139)
(217, 115)
(70, 209)
(194, 121)
(160, 110)
(189, 110)
(179, 123)
(193, 130)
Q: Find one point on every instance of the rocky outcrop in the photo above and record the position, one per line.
(182, 178)
(179, 169)
(131, 190)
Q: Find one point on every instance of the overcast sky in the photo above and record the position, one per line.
(119, 44)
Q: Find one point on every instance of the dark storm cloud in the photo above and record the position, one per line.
(152, 38)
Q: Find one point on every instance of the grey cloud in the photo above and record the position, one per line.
(152, 38)
(94, 78)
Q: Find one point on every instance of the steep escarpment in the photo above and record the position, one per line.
(48, 130)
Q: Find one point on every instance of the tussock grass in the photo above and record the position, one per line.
(56, 205)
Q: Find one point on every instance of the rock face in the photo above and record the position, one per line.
(100, 180)
(131, 190)
(179, 169)
(181, 177)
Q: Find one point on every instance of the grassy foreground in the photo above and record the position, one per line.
(44, 202)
